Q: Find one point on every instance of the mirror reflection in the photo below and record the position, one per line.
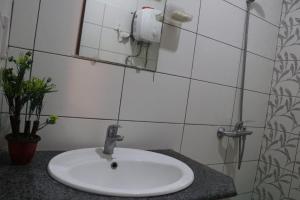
(126, 32)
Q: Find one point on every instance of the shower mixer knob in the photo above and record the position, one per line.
(221, 132)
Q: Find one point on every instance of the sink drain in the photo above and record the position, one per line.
(114, 165)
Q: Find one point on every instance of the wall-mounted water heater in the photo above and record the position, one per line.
(147, 25)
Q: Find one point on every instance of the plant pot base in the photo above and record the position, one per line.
(21, 149)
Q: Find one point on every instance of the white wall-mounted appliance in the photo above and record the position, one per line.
(5, 17)
(147, 25)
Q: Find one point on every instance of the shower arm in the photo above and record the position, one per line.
(240, 130)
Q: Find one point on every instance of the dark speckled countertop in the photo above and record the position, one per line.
(32, 182)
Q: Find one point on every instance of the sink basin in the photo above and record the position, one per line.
(127, 173)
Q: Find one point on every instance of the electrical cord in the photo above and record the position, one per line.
(140, 44)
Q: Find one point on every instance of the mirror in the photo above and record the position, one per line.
(123, 32)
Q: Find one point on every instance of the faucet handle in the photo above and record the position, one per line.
(119, 138)
(112, 130)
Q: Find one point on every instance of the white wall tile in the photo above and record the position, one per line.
(149, 136)
(189, 6)
(57, 31)
(137, 135)
(243, 178)
(216, 62)
(94, 11)
(254, 109)
(153, 97)
(88, 52)
(261, 32)
(128, 4)
(253, 144)
(176, 51)
(217, 167)
(210, 104)
(222, 21)
(118, 17)
(265, 9)
(111, 56)
(239, 3)
(202, 144)
(72, 133)
(268, 10)
(262, 70)
(91, 34)
(252, 147)
(84, 89)
(110, 42)
(24, 23)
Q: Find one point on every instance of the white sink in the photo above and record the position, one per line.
(138, 173)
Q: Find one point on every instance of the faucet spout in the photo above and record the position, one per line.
(111, 139)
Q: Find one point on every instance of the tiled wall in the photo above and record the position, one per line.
(194, 91)
(278, 175)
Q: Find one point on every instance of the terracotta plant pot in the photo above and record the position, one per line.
(21, 149)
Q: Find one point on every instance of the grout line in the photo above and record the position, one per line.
(266, 117)
(185, 114)
(208, 37)
(252, 14)
(235, 46)
(294, 165)
(33, 47)
(216, 40)
(35, 35)
(6, 61)
(101, 32)
(121, 96)
(230, 163)
(141, 121)
(190, 81)
(163, 73)
(93, 48)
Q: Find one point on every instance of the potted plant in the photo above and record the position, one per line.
(25, 101)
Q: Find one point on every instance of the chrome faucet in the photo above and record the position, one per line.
(111, 139)
(240, 131)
